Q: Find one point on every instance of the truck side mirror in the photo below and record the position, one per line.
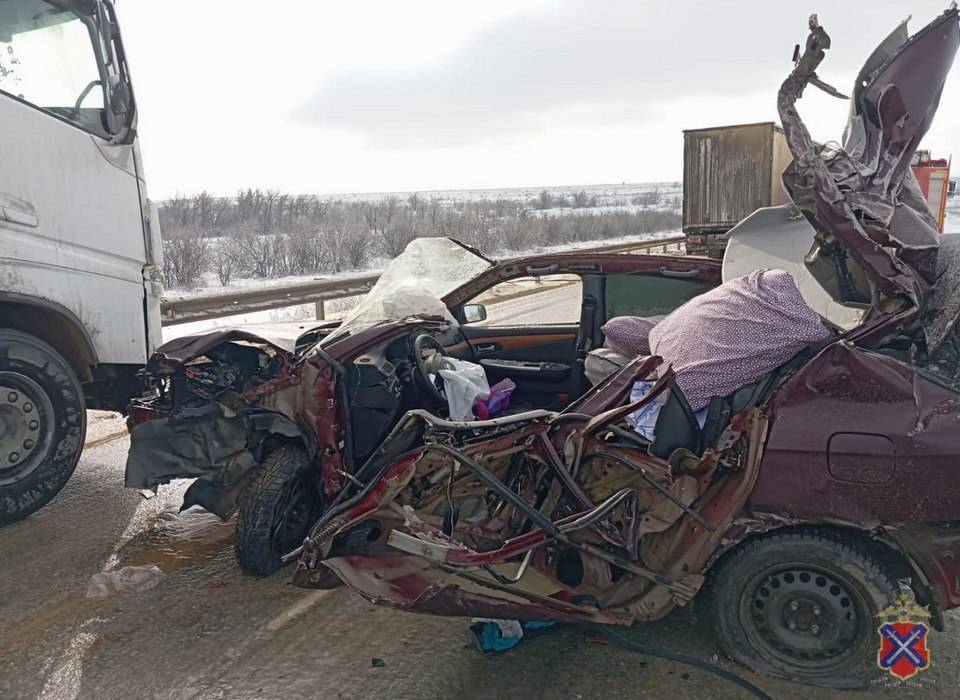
(474, 313)
(120, 107)
(120, 94)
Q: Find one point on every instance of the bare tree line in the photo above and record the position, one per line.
(265, 233)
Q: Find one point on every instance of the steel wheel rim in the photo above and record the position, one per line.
(26, 426)
(805, 616)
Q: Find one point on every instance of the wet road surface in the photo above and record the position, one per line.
(206, 631)
(552, 306)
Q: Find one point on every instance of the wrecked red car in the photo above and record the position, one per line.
(810, 498)
(279, 435)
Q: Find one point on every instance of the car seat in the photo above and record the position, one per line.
(676, 427)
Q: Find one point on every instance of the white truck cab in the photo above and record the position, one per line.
(80, 252)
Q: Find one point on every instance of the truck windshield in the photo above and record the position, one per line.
(47, 59)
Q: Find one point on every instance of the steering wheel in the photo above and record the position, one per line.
(428, 353)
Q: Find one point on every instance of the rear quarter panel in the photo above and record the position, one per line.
(862, 438)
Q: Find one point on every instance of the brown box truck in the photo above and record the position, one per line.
(731, 171)
(728, 173)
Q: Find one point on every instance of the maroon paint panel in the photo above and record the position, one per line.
(814, 470)
(936, 550)
(861, 458)
(407, 582)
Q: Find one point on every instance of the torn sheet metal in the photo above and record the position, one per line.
(179, 351)
(212, 444)
(876, 241)
(443, 529)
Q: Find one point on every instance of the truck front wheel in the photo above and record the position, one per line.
(42, 424)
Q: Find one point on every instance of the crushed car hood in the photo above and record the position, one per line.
(179, 351)
(876, 242)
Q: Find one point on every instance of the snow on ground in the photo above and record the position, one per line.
(236, 283)
(616, 195)
(606, 194)
(588, 245)
(951, 221)
(338, 307)
(600, 209)
(212, 287)
(275, 316)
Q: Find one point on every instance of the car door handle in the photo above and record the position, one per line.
(667, 272)
(546, 270)
(18, 211)
(492, 347)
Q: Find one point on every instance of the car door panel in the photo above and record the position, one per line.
(640, 284)
(538, 359)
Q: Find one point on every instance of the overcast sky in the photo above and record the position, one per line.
(317, 96)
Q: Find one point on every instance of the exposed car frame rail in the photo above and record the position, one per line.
(209, 306)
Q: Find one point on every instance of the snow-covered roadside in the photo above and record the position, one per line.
(303, 316)
(287, 316)
(257, 283)
(951, 219)
(605, 193)
(600, 209)
(587, 245)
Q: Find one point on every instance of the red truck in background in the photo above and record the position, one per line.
(731, 171)
(933, 174)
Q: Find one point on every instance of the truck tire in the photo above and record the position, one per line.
(803, 605)
(276, 510)
(43, 423)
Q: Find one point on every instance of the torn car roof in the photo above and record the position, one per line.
(876, 242)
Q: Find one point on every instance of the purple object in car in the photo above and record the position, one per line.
(629, 335)
(497, 402)
(736, 333)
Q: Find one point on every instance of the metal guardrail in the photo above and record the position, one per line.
(244, 301)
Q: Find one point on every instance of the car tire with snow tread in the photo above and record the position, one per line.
(276, 510)
(802, 605)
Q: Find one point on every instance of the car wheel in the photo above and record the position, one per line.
(803, 605)
(43, 423)
(276, 510)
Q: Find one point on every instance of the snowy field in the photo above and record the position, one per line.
(335, 308)
(621, 194)
(951, 223)
(610, 198)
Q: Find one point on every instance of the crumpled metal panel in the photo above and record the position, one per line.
(876, 239)
(943, 308)
(211, 444)
(179, 351)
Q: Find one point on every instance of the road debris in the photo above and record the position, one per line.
(129, 579)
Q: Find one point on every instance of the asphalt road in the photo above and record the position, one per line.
(552, 306)
(206, 632)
